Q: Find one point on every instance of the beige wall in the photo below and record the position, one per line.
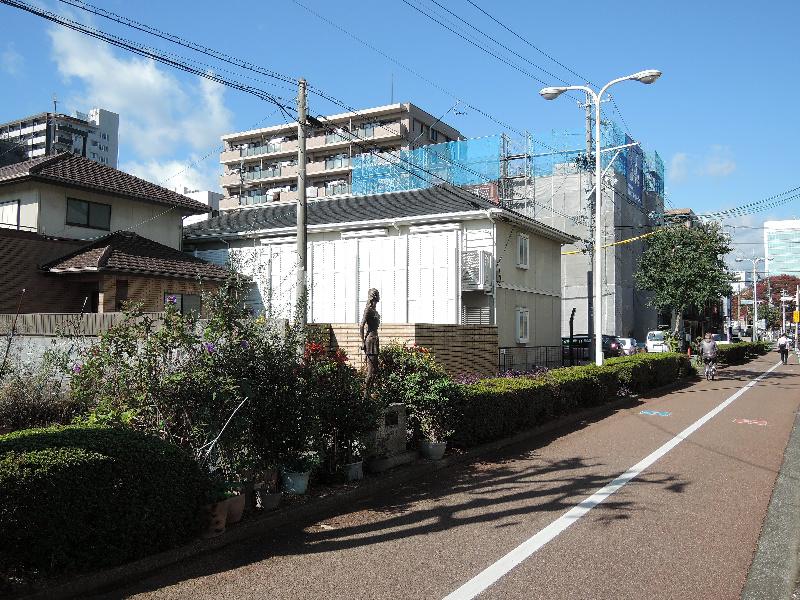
(149, 291)
(44, 207)
(537, 288)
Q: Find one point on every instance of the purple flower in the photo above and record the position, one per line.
(245, 344)
(76, 368)
(210, 347)
(172, 299)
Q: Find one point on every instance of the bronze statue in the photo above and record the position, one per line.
(370, 344)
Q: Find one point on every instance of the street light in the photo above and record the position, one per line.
(551, 93)
(755, 260)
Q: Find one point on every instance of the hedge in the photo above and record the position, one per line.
(77, 498)
(494, 408)
(740, 351)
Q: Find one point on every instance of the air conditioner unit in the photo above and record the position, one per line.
(476, 270)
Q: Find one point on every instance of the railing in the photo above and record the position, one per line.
(53, 324)
(263, 149)
(527, 358)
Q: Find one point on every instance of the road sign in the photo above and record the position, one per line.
(745, 301)
(796, 316)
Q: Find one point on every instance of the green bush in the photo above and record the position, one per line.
(495, 408)
(82, 497)
(741, 351)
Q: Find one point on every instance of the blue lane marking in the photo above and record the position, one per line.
(657, 413)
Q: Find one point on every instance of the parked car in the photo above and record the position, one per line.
(656, 342)
(628, 346)
(720, 339)
(581, 344)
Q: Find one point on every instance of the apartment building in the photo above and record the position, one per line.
(782, 247)
(94, 135)
(261, 165)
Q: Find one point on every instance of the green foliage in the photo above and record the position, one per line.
(494, 408)
(684, 267)
(36, 395)
(411, 376)
(741, 351)
(82, 497)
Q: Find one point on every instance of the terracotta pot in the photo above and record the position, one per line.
(217, 517)
(235, 508)
(432, 450)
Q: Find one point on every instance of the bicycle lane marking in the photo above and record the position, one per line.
(501, 567)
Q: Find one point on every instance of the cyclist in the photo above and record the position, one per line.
(708, 348)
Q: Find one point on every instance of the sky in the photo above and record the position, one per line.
(723, 116)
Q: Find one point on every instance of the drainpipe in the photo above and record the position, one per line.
(494, 276)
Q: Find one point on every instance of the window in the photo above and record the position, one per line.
(186, 303)
(122, 293)
(434, 135)
(522, 325)
(88, 214)
(522, 251)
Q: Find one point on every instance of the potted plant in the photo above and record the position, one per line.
(353, 468)
(269, 496)
(296, 471)
(433, 417)
(216, 512)
(235, 501)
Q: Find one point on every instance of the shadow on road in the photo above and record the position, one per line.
(500, 489)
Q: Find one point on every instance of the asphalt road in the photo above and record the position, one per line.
(685, 526)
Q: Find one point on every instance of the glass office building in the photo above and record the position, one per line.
(782, 247)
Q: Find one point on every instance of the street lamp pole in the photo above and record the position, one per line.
(755, 260)
(551, 93)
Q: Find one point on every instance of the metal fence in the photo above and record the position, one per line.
(527, 358)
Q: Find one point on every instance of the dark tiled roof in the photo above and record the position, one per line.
(353, 209)
(69, 169)
(346, 209)
(128, 252)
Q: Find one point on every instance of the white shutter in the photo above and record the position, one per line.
(432, 278)
(333, 290)
(283, 276)
(382, 265)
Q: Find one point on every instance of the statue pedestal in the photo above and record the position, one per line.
(386, 446)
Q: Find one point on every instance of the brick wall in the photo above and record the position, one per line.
(459, 348)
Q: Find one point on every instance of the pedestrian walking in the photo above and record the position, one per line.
(783, 346)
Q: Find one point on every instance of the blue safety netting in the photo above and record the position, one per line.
(461, 162)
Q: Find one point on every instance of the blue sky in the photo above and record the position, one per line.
(723, 117)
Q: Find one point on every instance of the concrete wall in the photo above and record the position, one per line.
(44, 209)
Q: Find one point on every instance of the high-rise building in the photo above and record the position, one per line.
(743, 279)
(94, 135)
(782, 247)
(260, 165)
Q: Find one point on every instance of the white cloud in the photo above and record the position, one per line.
(11, 61)
(719, 163)
(174, 174)
(678, 167)
(158, 112)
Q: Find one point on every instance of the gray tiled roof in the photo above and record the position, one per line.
(345, 209)
(69, 169)
(127, 252)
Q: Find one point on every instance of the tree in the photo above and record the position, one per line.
(776, 284)
(683, 268)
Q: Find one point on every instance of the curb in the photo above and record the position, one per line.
(318, 508)
(774, 568)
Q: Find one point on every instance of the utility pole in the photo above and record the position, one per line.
(301, 292)
(589, 274)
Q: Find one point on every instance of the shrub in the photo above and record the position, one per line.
(740, 352)
(83, 497)
(35, 395)
(494, 408)
(411, 376)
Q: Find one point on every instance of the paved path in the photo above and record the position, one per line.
(685, 527)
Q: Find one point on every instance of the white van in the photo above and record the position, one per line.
(655, 342)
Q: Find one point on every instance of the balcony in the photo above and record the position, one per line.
(339, 165)
(272, 149)
(276, 173)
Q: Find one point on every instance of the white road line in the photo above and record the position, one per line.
(527, 548)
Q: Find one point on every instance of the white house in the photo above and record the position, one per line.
(437, 255)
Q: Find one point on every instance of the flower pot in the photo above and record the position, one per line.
(217, 515)
(295, 483)
(235, 508)
(354, 471)
(432, 450)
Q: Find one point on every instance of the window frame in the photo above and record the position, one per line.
(88, 223)
(522, 324)
(523, 237)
